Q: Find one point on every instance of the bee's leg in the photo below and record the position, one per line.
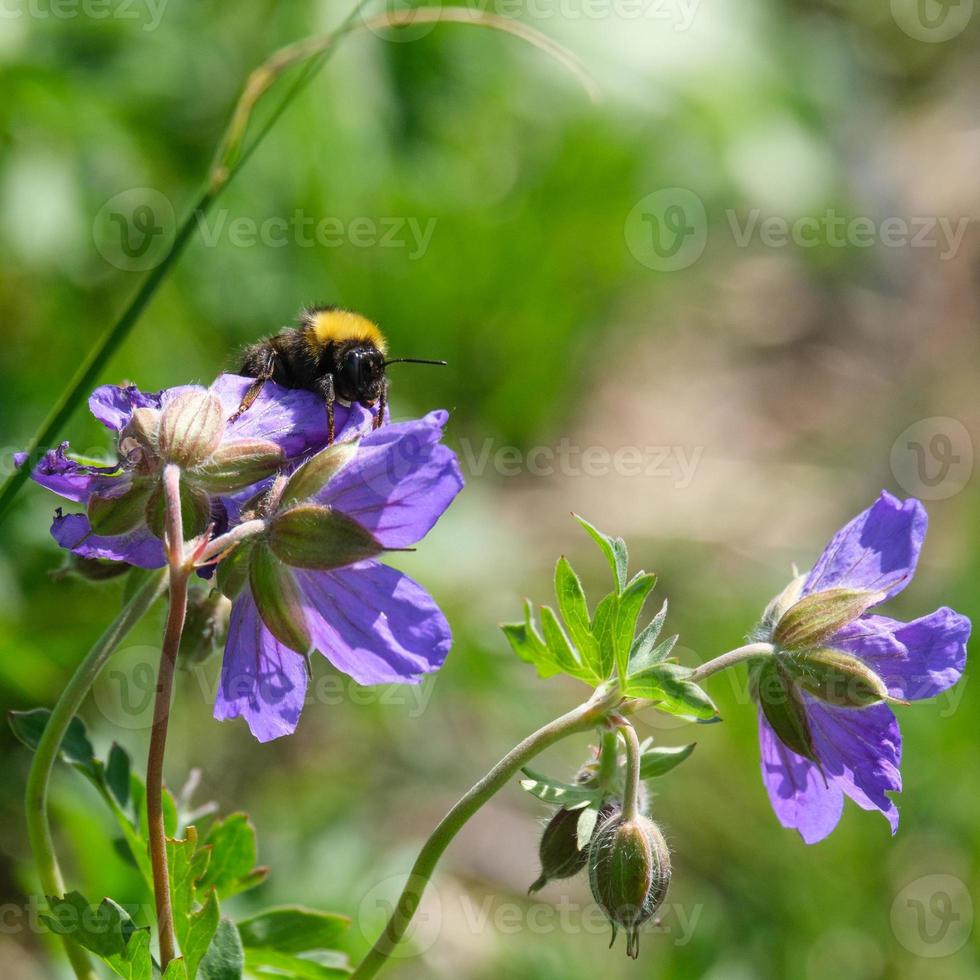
(264, 367)
(382, 405)
(326, 392)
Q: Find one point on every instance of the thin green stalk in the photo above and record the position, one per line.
(580, 719)
(608, 759)
(38, 828)
(631, 797)
(740, 654)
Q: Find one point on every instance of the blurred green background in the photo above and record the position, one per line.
(760, 380)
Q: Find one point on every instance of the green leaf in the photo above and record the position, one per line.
(604, 630)
(176, 970)
(76, 749)
(233, 855)
(668, 686)
(613, 548)
(528, 644)
(271, 963)
(659, 761)
(558, 646)
(644, 651)
(575, 613)
(105, 930)
(630, 604)
(225, 958)
(195, 922)
(561, 794)
(117, 774)
(293, 929)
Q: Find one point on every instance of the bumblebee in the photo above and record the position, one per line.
(335, 353)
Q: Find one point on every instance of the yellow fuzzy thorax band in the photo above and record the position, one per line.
(337, 326)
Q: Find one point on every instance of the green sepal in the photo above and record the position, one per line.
(110, 516)
(812, 620)
(195, 508)
(239, 464)
(837, 678)
(317, 472)
(311, 536)
(232, 574)
(782, 705)
(279, 601)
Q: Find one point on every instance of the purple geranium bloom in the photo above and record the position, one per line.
(291, 423)
(311, 583)
(834, 746)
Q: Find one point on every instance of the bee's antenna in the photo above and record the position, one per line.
(413, 360)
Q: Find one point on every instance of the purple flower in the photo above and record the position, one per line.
(310, 581)
(281, 426)
(825, 729)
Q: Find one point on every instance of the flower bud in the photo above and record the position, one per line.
(562, 853)
(629, 871)
(138, 440)
(815, 618)
(191, 428)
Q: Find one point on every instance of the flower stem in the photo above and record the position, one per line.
(580, 719)
(608, 759)
(38, 827)
(749, 652)
(179, 574)
(631, 797)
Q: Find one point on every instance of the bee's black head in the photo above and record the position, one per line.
(360, 375)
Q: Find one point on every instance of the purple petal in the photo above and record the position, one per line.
(113, 405)
(878, 550)
(261, 680)
(915, 660)
(294, 419)
(72, 480)
(800, 797)
(374, 623)
(860, 750)
(400, 482)
(140, 547)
